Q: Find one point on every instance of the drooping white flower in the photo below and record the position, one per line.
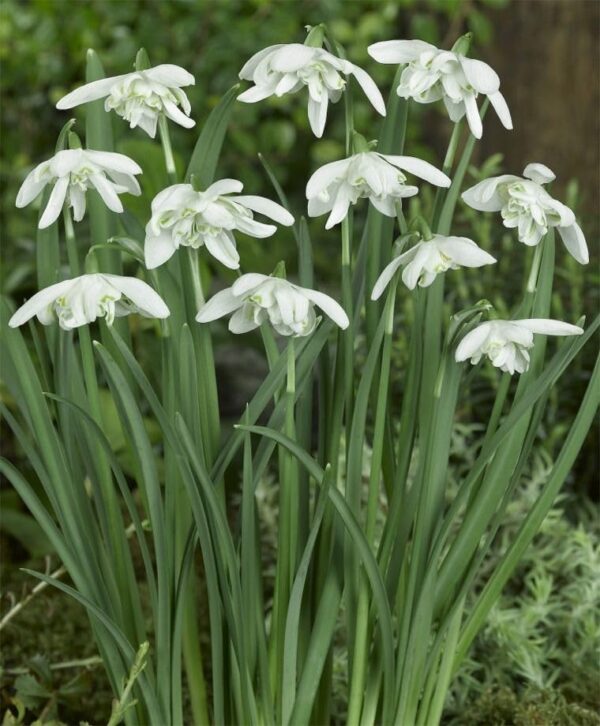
(427, 259)
(433, 74)
(286, 68)
(525, 205)
(140, 97)
(183, 216)
(72, 172)
(507, 342)
(377, 177)
(81, 300)
(254, 299)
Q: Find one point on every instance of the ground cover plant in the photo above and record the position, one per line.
(380, 554)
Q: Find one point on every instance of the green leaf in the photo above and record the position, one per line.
(203, 162)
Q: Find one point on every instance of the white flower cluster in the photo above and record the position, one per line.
(183, 215)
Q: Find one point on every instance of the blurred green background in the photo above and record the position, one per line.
(545, 52)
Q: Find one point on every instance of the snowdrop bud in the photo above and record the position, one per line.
(254, 299)
(527, 207)
(81, 300)
(507, 342)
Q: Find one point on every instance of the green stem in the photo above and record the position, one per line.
(361, 644)
(287, 535)
(165, 138)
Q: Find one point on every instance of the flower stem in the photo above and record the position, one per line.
(72, 252)
(287, 534)
(535, 269)
(165, 138)
(359, 661)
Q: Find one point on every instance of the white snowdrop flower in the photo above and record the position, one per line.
(507, 342)
(254, 299)
(377, 177)
(183, 216)
(427, 259)
(432, 74)
(72, 172)
(526, 206)
(286, 68)
(140, 97)
(81, 300)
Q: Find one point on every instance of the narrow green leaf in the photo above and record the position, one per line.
(203, 162)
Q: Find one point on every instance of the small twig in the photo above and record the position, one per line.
(92, 661)
(121, 705)
(17, 607)
(59, 572)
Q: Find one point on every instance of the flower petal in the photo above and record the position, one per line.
(30, 188)
(250, 65)
(114, 162)
(170, 75)
(242, 321)
(328, 305)
(291, 57)
(398, 51)
(420, 168)
(158, 248)
(90, 92)
(539, 173)
(339, 209)
(39, 302)
(256, 94)
(223, 249)
(325, 175)
(370, 88)
(472, 342)
(317, 114)
(485, 196)
(464, 251)
(176, 114)
(384, 279)
(220, 304)
(247, 283)
(107, 192)
(224, 186)
(146, 300)
(575, 243)
(267, 207)
(480, 75)
(55, 203)
(473, 117)
(549, 327)
(501, 108)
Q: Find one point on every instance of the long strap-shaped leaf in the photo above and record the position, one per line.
(364, 551)
(535, 517)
